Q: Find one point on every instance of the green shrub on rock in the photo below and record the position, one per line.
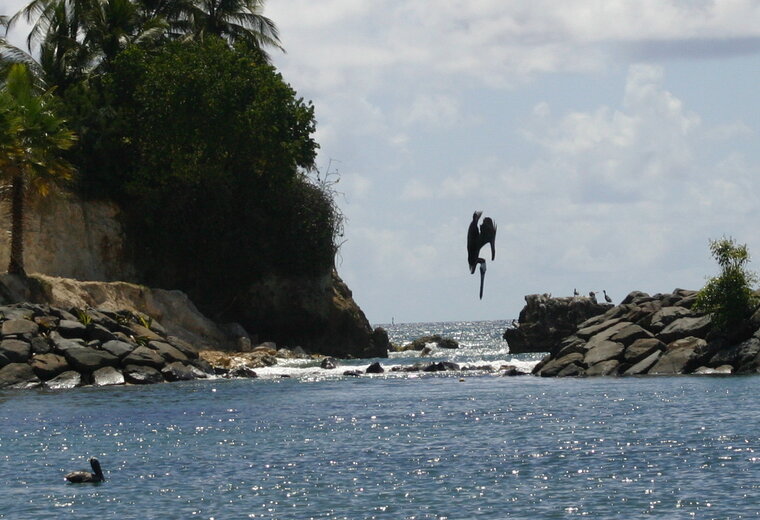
(728, 297)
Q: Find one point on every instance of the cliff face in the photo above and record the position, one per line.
(66, 237)
(69, 238)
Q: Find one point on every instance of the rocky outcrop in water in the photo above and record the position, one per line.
(545, 321)
(657, 335)
(43, 345)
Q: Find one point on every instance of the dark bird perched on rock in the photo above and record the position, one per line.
(476, 239)
(606, 298)
(79, 477)
(575, 292)
(592, 295)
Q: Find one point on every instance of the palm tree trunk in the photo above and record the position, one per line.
(16, 265)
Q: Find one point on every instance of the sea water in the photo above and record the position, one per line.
(397, 445)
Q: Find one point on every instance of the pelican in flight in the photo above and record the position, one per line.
(476, 239)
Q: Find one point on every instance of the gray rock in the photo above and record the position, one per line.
(64, 381)
(631, 333)
(142, 374)
(375, 368)
(16, 313)
(604, 335)
(635, 297)
(588, 332)
(572, 370)
(16, 350)
(603, 351)
(554, 367)
(72, 329)
(20, 328)
(40, 345)
(47, 322)
(604, 368)
(85, 359)
(61, 344)
(18, 375)
(166, 351)
(441, 366)
(545, 321)
(100, 333)
(737, 355)
(680, 357)
(643, 366)
(183, 346)
(179, 372)
(144, 356)
(664, 317)
(328, 363)
(4, 360)
(107, 376)
(685, 327)
(642, 348)
(118, 348)
(721, 370)
(47, 366)
(242, 371)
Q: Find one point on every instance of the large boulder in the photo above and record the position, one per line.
(643, 366)
(681, 357)
(554, 367)
(604, 351)
(142, 375)
(18, 375)
(88, 360)
(144, 356)
(20, 328)
(696, 326)
(107, 376)
(545, 321)
(64, 381)
(47, 366)
(642, 348)
(16, 350)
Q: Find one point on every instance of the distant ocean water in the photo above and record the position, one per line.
(409, 446)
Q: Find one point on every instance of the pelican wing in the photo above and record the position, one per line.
(488, 235)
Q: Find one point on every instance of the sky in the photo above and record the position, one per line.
(610, 141)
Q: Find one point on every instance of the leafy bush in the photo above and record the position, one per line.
(728, 297)
(207, 150)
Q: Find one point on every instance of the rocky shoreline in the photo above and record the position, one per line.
(653, 335)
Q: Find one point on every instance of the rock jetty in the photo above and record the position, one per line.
(657, 335)
(545, 321)
(42, 345)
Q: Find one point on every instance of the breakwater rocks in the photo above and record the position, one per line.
(659, 334)
(545, 321)
(42, 345)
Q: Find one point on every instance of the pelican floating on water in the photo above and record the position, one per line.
(79, 477)
(476, 239)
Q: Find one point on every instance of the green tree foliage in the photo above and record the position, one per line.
(32, 140)
(78, 38)
(728, 296)
(206, 147)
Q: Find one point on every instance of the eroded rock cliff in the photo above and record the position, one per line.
(68, 239)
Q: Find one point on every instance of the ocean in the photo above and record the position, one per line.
(396, 445)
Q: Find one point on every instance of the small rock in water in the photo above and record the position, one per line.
(375, 368)
(329, 363)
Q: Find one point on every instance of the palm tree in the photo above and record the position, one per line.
(234, 21)
(32, 138)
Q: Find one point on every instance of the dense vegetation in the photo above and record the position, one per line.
(183, 122)
(729, 296)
